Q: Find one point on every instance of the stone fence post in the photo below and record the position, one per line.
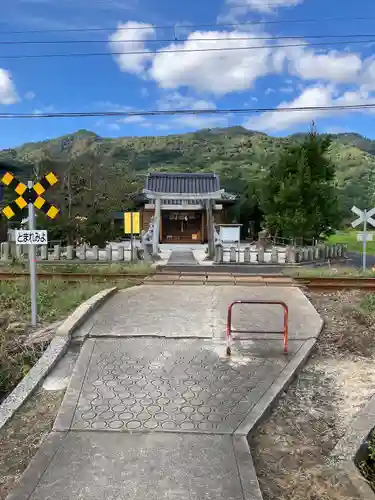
(274, 256)
(260, 256)
(218, 254)
(5, 251)
(120, 254)
(95, 252)
(290, 255)
(19, 254)
(246, 255)
(56, 252)
(44, 252)
(233, 255)
(70, 252)
(108, 252)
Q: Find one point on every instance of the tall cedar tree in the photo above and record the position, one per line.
(299, 197)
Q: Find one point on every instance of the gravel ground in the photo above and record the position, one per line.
(22, 436)
(291, 448)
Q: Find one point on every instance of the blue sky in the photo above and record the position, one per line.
(268, 76)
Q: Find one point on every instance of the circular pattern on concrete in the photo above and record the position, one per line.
(177, 386)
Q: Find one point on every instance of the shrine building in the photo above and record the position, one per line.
(184, 206)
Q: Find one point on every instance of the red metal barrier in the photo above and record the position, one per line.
(256, 302)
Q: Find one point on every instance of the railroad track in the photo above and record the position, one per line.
(312, 283)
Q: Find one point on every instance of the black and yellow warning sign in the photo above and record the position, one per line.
(29, 195)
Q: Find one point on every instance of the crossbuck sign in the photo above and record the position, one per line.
(364, 217)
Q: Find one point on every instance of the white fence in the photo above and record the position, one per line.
(277, 255)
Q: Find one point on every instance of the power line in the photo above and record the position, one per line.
(191, 26)
(95, 114)
(181, 40)
(173, 51)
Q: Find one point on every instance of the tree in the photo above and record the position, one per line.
(299, 196)
(88, 192)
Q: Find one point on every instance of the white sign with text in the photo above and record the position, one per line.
(31, 237)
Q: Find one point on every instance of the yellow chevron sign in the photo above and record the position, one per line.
(29, 195)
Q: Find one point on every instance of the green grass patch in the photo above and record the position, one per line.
(55, 299)
(104, 268)
(349, 237)
(332, 272)
(367, 305)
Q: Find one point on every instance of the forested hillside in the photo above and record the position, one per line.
(98, 175)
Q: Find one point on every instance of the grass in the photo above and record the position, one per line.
(368, 306)
(334, 271)
(55, 300)
(104, 268)
(349, 238)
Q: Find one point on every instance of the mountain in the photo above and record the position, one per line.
(237, 154)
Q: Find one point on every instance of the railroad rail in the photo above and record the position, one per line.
(197, 278)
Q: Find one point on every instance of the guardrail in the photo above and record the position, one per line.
(230, 331)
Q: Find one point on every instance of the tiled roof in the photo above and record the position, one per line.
(187, 183)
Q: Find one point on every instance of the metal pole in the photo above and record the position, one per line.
(364, 239)
(32, 263)
(131, 237)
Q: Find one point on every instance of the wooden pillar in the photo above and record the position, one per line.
(156, 234)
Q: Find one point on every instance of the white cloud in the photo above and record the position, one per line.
(30, 96)
(138, 34)
(368, 75)
(175, 100)
(112, 106)
(216, 71)
(264, 6)
(132, 119)
(332, 66)
(8, 94)
(113, 126)
(317, 96)
(198, 122)
(45, 109)
(287, 90)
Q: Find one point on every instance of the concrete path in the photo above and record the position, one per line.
(182, 257)
(155, 409)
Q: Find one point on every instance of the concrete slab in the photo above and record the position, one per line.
(169, 385)
(192, 277)
(181, 257)
(220, 278)
(200, 312)
(250, 279)
(157, 310)
(146, 466)
(161, 277)
(60, 376)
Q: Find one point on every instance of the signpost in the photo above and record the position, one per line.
(30, 196)
(27, 237)
(364, 217)
(132, 226)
